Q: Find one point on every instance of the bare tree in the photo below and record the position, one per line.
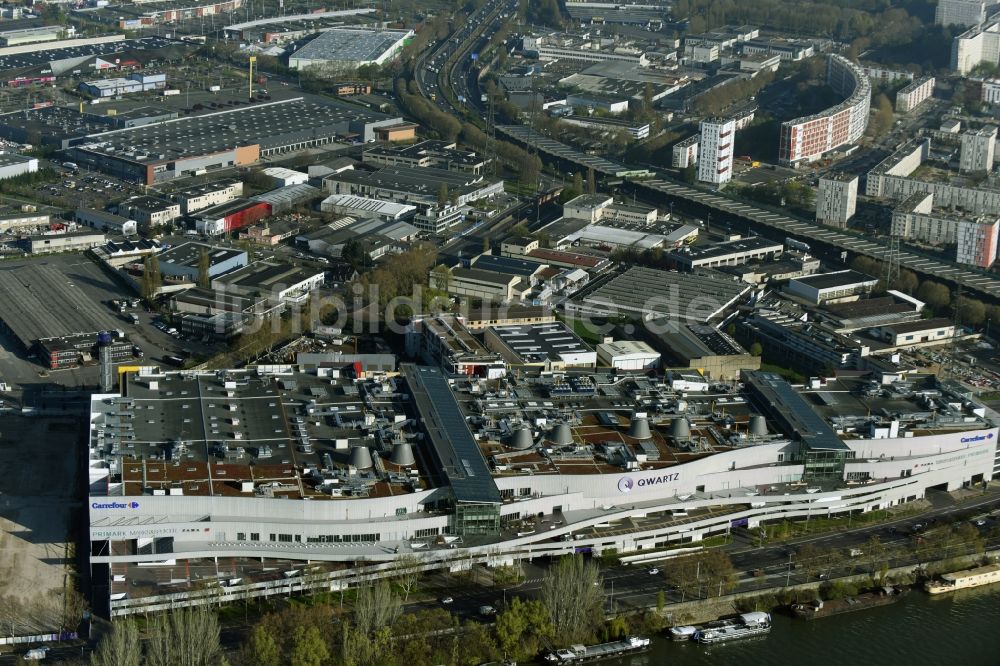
(573, 594)
(376, 607)
(120, 647)
(185, 637)
(409, 573)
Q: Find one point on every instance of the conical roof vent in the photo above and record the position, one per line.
(758, 426)
(361, 457)
(402, 454)
(561, 435)
(639, 428)
(680, 429)
(521, 440)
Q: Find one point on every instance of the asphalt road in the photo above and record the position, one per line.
(629, 586)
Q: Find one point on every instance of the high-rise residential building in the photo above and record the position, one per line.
(977, 149)
(977, 242)
(965, 13)
(836, 199)
(978, 44)
(914, 94)
(715, 162)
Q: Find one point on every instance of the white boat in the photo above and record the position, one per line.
(576, 654)
(747, 625)
(961, 580)
(683, 633)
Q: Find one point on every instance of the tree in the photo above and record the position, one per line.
(151, 278)
(591, 181)
(262, 648)
(184, 637)
(756, 349)
(877, 554)
(443, 194)
(573, 594)
(578, 182)
(409, 572)
(204, 278)
(308, 648)
(376, 607)
(970, 311)
(119, 647)
(522, 626)
(934, 294)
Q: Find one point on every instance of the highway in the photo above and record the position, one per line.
(972, 281)
(450, 68)
(633, 586)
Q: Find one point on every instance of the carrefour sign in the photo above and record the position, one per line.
(977, 438)
(115, 505)
(627, 483)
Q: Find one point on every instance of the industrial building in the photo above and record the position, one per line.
(229, 217)
(414, 185)
(834, 287)
(150, 211)
(105, 221)
(37, 300)
(13, 165)
(696, 297)
(550, 346)
(350, 48)
(72, 241)
(807, 139)
(279, 282)
(181, 261)
(476, 284)
(348, 204)
(710, 351)
(371, 484)
(134, 82)
(445, 341)
(241, 136)
(427, 154)
(627, 355)
(726, 253)
(45, 33)
(196, 198)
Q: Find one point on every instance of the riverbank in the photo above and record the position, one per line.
(766, 599)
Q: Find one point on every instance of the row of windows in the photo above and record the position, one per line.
(322, 538)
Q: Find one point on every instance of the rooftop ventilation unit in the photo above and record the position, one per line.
(680, 429)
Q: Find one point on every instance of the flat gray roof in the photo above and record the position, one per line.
(782, 403)
(456, 450)
(39, 300)
(356, 45)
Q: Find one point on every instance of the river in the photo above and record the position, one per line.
(960, 628)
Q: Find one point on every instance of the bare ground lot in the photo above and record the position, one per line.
(39, 511)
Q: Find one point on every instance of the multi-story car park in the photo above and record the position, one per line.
(808, 138)
(267, 480)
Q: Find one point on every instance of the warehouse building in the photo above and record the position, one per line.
(45, 33)
(196, 198)
(181, 261)
(77, 241)
(712, 352)
(350, 48)
(228, 217)
(727, 253)
(237, 137)
(627, 355)
(550, 346)
(348, 204)
(105, 221)
(13, 165)
(280, 282)
(649, 293)
(834, 287)
(150, 211)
